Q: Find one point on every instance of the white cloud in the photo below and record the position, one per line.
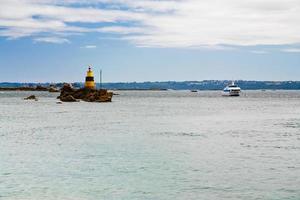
(291, 50)
(89, 47)
(166, 23)
(55, 40)
(121, 30)
(259, 52)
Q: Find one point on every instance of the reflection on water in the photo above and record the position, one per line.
(151, 145)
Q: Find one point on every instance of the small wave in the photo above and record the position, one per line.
(184, 134)
(291, 124)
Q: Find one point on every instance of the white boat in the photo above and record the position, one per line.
(232, 90)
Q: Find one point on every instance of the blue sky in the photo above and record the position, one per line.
(149, 40)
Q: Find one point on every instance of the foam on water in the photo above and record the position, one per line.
(151, 145)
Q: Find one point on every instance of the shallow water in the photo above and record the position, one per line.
(151, 145)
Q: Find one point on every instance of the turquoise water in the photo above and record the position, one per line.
(151, 145)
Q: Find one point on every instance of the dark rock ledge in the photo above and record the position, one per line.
(31, 97)
(70, 94)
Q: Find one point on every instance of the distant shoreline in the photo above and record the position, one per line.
(47, 89)
(22, 89)
(163, 85)
(37, 88)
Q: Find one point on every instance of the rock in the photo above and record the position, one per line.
(88, 95)
(68, 98)
(91, 97)
(31, 97)
(52, 89)
(105, 98)
(40, 88)
(67, 88)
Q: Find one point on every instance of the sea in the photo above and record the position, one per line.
(151, 145)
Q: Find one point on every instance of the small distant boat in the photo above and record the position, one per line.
(194, 90)
(232, 90)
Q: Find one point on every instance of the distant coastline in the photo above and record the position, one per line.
(23, 89)
(163, 85)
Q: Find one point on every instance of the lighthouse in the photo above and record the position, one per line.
(89, 79)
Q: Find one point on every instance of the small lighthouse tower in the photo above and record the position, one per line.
(89, 79)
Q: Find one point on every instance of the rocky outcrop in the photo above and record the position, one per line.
(89, 95)
(40, 88)
(68, 98)
(52, 89)
(31, 97)
(37, 88)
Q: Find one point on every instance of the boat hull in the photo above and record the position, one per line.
(231, 93)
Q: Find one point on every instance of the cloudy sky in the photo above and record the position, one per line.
(141, 40)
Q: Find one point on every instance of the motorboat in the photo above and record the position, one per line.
(232, 90)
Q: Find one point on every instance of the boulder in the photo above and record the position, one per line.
(67, 88)
(31, 97)
(91, 97)
(40, 88)
(68, 98)
(52, 89)
(105, 98)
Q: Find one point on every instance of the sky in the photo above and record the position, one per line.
(149, 40)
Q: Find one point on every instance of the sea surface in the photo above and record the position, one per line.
(151, 145)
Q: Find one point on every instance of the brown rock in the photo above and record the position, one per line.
(31, 97)
(68, 98)
(52, 89)
(40, 88)
(105, 98)
(89, 95)
(67, 88)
